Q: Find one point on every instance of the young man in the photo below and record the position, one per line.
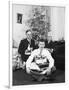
(40, 62)
(26, 46)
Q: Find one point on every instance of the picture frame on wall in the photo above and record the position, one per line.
(19, 18)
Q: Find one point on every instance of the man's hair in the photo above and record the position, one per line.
(28, 30)
(41, 40)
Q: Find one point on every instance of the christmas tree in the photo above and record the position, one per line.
(39, 23)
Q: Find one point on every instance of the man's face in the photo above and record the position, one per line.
(41, 44)
(29, 35)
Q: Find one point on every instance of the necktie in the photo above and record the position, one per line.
(40, 54)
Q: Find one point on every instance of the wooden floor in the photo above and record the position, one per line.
(21, 78)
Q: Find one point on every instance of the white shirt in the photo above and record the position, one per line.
(45, 53)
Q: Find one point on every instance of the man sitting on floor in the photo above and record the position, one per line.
(26, 46)
(40, 63)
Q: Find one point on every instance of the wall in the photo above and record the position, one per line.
(57, 21)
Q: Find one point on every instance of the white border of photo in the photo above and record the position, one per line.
(61, 3)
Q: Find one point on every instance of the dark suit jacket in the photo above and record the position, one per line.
(49, 45)
(23, 46)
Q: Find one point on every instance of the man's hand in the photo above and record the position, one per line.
(23, 65)
(48, 71)
(43, 72)
(28, 70)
